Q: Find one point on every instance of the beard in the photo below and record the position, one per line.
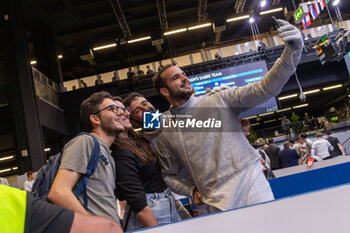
(180, 94)
(108, 126)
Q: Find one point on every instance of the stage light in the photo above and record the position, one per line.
(332, 87)
(14, 168)
(139, 39)
(336, 2)
(105, 46)
(33, 62)
(269, 121)
(200, 26)
(300, 106)
(237, 18)
(7, 158)
(266, 114)
(60, 56)
(251, 20)
(47, 149)
(271, 11)
(263, 3)
(5, 170)
(287, 97)
(284, 110)
(312, 91)
(251, 117)
(175, 31)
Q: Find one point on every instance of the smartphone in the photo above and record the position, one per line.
(275, 21)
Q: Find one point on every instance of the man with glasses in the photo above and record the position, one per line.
(102, 118)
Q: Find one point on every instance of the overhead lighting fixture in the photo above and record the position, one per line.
(237, 18)
(312, 91)
(255, 124)
(251, 117)
(266, 114)
(139, 39)
(175, 31)
(137, 129)
(6, 158)
(200, 26)
(5, 170)
(251, 20)
(287, 97)
(301, 106)
(271, 11)
(332, 87)
(105, 46)
(33, 62)
(263, 3)
(60, 56)
(47, 149)
(14, 168)
(336, 2)
(284, 110)
(270, 121)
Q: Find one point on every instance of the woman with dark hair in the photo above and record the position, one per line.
(139, 181)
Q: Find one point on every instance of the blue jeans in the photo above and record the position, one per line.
(163, 207)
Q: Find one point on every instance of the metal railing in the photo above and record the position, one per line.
(45, 88)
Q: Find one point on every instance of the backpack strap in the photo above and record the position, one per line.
(91, 167)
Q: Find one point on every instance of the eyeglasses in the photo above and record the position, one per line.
(114, 108)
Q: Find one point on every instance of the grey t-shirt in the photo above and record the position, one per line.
(101, 184)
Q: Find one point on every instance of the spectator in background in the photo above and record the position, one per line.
(245, 126)
(98, 80)
(160, 67)
(139, 71)
(287, 157)
(217, 56)
(131, 74)
(115, 77)
(308, 121)
(82, 83)
(28, 184)
(305, 145)
(4, 181)
(320, 148)
(262, 46)
(286, 126)
(272, 152)
(149, 71)
(265, 146)
(338, 148)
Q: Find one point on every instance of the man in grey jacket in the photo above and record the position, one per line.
(217, 166)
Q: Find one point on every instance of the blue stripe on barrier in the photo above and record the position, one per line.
(311, 180)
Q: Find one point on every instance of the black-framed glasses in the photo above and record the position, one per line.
(114, 108)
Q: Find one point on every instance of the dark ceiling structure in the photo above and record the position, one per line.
(77, 26)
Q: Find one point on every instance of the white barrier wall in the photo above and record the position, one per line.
(323, 211)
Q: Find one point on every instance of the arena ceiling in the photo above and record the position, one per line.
(78, 26)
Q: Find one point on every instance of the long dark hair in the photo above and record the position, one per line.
(138, 145)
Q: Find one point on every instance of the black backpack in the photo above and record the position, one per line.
(46, 175)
